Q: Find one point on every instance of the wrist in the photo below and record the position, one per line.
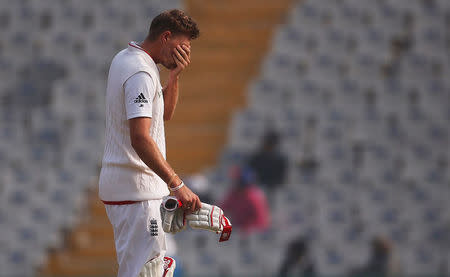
(177, 188)
(170, 179)
(174, 75)
(174, 181)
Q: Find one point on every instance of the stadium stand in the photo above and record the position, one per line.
(369, 73)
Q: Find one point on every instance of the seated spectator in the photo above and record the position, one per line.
(246, 204)
(268, 163)
(297, 260)
(380, 261)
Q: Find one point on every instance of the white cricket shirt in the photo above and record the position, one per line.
(133, 90)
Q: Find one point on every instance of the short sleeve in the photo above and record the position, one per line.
(139, 93)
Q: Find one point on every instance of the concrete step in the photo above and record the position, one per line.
(246, 34)
(223, 61)
(91, 245)
(98, 228)
(67, 263)
(191, 88)
(239, 12)
(195, 113)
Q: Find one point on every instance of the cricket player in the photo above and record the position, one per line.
(135, 175)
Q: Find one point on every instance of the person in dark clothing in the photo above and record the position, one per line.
(297, 260)
(268, 163)
(380, 261)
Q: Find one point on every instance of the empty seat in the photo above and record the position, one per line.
(330, 259)
(419, 259)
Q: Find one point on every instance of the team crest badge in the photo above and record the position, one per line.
(153, 227)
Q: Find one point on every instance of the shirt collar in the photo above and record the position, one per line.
(133, 46)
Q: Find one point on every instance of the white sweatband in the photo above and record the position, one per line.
(177, 187)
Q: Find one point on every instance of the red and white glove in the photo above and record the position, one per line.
(208, 217)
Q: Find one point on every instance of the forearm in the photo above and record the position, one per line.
(149, 153)
(170, 93)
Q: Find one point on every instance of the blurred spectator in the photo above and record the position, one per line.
(381, 261)
(307, 162)
(246, 204)
(400, 44)
(297, 260)
(268, 163)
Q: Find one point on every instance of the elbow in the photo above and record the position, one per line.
(137, 141)
(167, 116)
(134, 144)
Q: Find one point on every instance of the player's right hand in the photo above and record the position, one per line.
(182, 58)
(189, 200)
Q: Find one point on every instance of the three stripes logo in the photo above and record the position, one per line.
(140, 99)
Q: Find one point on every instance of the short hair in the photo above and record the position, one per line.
(176, 21)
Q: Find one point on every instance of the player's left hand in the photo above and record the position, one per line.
(190, 201)
(182, 57)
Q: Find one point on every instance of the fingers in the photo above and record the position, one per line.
(192, 204)
(187, 205)
(180, 58)
(187, 49)
(182, 55)
(185, 52)
(177, 61)
(193, 207)
(199, 203)
(196, 204)
(181, 64)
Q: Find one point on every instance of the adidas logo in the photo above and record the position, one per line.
(140, 99)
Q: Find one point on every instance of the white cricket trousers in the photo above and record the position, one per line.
(138, 235)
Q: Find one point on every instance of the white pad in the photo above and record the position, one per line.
(152, 268)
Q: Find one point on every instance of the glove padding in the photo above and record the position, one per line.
(208, 217)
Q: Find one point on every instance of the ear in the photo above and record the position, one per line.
(165, 36)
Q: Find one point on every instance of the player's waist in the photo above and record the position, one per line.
(125, 202)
